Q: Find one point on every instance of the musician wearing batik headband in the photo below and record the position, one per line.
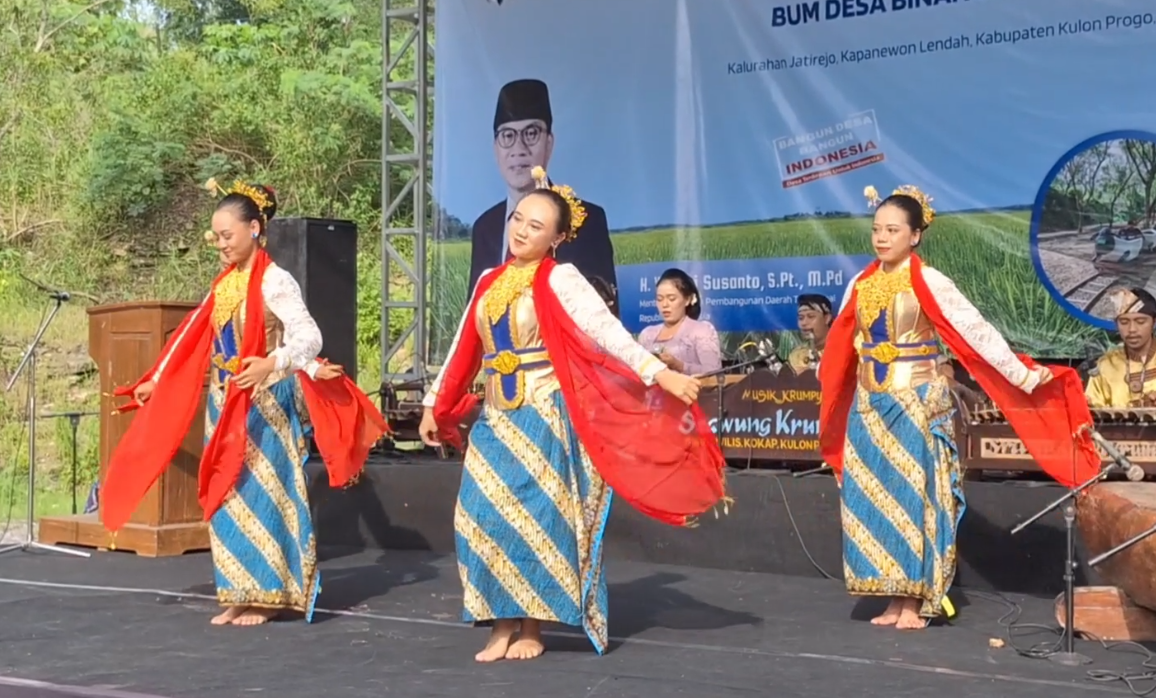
(268, 392)
(814, 316)
(573, 407)
(1125, 376)
(886, 425)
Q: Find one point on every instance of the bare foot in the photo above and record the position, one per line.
(529, 643)
(909, 618)
(891, 615)
(499, 641)
(231, 613)
(255, 616)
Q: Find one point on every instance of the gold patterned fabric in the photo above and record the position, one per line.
(262, 539)
(902, 495)
(1122, 383)
(516, 365)
(896, 341)
(532, 509)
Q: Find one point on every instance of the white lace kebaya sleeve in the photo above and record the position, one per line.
(431, 396)
(180, 338)
(301, 338)
(979, 334)
(590, 313)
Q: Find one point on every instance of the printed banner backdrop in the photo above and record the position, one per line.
(734, 139)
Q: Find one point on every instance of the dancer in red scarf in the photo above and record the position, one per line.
(568, 415)
(267, 394)
(886, 416)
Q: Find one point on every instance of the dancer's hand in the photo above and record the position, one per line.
(329, 372)
(428, 429)
(671, 361)
(683, 387)
(144, 391)
(257, 369)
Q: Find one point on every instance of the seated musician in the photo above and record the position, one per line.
(1125, 376)
(683, 342)
(814, 321)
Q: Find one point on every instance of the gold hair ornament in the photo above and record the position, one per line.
(577, 210)
(255, 194)
(914, 192)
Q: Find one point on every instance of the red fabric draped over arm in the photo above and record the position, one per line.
(160, 426)
(1049, 421)
(224, 456)
(651, 449)
(838, 375)
(654, 451)
(454, 400)
(346, 425)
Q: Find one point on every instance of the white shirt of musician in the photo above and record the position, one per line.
(983, 338)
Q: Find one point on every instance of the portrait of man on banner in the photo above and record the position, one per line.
(523, 140)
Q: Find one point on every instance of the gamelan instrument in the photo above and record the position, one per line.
(988, 443)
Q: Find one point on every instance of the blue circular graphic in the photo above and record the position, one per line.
(1109, 250)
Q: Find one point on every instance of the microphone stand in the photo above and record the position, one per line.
(1121, 547)
(74, 423)
(28, 364)
(1070, 657)
(812, 471)
(728, 369)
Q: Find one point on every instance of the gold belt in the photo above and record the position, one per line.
(507, 363)
(886, 352)
(232, 366)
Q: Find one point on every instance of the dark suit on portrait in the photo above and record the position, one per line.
(591, 252)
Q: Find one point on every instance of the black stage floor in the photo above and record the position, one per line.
(125, 626)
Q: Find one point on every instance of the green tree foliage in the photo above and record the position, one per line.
(113, 114)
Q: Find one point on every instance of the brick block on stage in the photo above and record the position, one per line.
(1106, 613)
(125, 340)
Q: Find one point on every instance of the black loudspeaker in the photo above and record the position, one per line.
(322, 255)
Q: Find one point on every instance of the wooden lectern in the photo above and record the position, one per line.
(125, 340)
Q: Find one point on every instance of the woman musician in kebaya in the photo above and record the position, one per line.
(569, 413)
(268, 393)
(886, 425)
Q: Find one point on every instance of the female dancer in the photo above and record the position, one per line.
(567, 413)
(264, 401)
(682, 341)
(886, 416)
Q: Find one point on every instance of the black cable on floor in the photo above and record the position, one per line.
(1014, 628)
(1010, 622)
(798, 535)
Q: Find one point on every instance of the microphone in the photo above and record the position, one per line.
(1132, 471)
(53, 293)
(765, 356)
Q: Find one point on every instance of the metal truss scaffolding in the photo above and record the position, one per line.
(406, 81)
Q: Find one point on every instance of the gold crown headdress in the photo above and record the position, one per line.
(255, 194)
(577, 210)
(914, 192)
